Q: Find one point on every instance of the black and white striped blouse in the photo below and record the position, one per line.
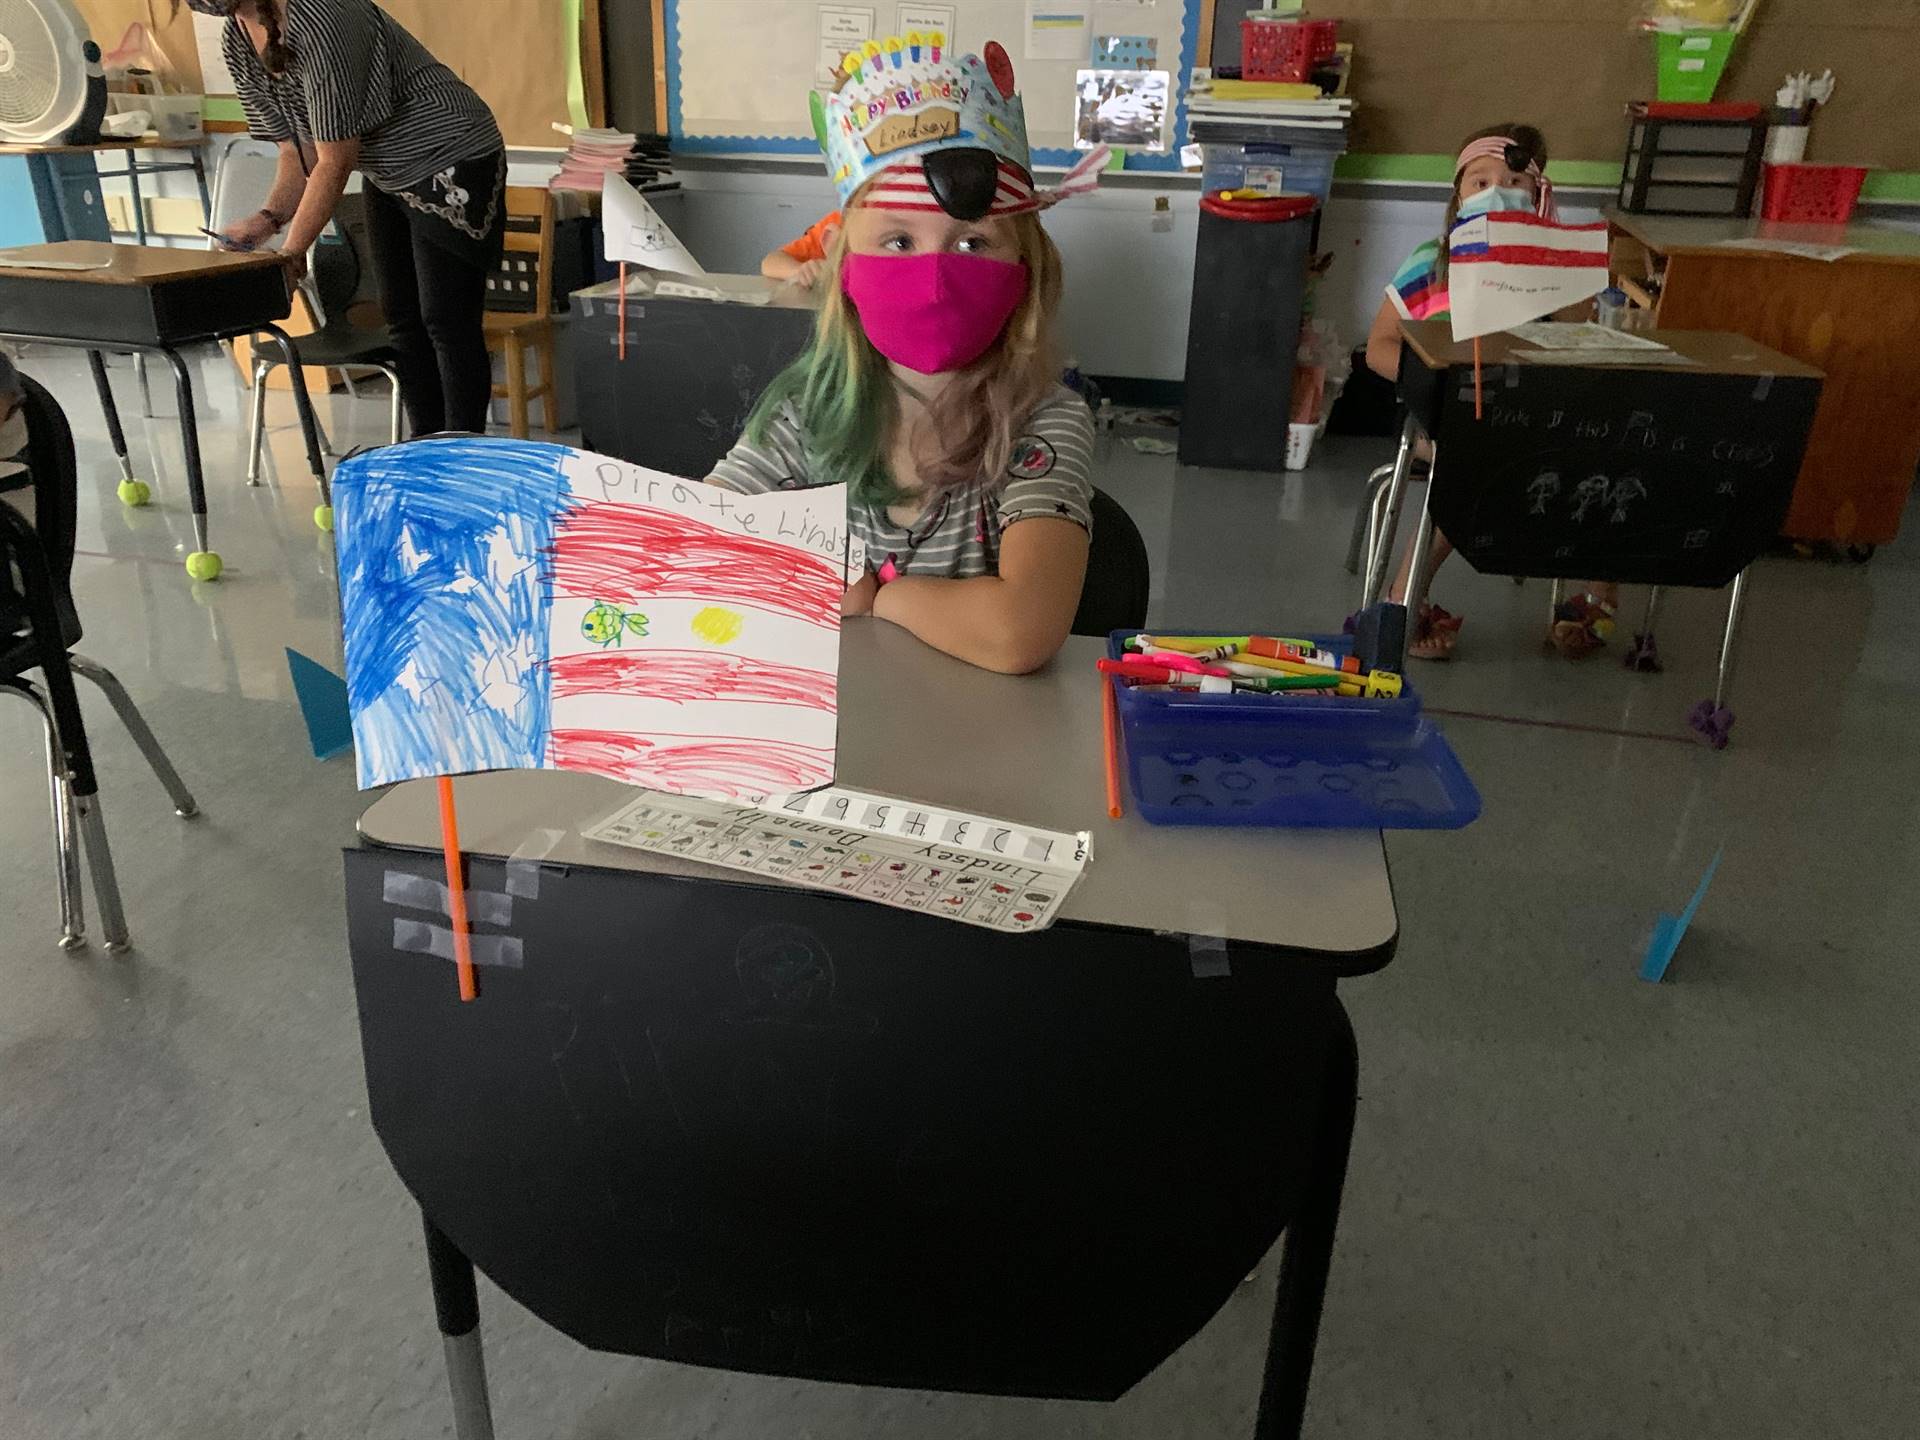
(357, 74)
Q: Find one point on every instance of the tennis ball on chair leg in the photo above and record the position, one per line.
(323, 516)
(135, 493)
(204, 565)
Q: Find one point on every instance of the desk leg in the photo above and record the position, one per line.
(200, 179)
(1309, 1246)
(457, 1306)
(309, 427)
(132, 491)
(1712, 719)
(1417, 577)
(140, 237)
(1381, 553)
(203, 563)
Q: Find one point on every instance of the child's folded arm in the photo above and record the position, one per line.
(1013, 622)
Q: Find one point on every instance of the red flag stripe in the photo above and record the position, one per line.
(738, 769)
(689, 676)
(620, 552)
(1534, 255)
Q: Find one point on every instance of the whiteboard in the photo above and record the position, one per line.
(738, 71)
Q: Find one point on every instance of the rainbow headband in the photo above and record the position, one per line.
(1502, 148)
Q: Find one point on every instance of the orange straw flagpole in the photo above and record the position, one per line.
(1479, 411)
(1110, 729)
(623, 309)
(456, 891)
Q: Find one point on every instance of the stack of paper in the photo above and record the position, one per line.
(1252, 111)
(641, 160)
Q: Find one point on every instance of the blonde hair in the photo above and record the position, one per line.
(844, 393)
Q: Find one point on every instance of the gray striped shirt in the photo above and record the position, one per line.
(356, 74)
(958, 537)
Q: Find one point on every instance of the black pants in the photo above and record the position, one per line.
(432, 278)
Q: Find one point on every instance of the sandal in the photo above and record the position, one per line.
(1434, 634)
(1581, 625)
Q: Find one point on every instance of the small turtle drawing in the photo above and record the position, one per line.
(604, 624)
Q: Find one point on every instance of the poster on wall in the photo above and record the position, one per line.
(928, 20)
(1125, 52)
(842, 28)
(1127, 109)
(1057, 29)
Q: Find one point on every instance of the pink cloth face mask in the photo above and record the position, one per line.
(934, 312)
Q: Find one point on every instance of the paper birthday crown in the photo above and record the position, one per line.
(905, 97)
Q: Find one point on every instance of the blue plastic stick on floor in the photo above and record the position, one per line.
(323, 702)
(1668, 930)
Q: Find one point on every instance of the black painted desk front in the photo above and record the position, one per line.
(740, 1125)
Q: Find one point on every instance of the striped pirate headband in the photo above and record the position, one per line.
(1515, 158)
(970, 184)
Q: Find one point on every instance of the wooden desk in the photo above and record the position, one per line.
(1670, 470)
(1855, 318)
(150, 299)
(725, 1122)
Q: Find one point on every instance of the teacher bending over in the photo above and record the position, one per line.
(342, 87)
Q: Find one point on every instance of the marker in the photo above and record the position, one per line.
(225, 242)
(1300, 650)
(1160, 675)
(1173, 660)
(1324, 682)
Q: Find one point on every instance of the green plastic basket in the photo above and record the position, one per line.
(1691, 63)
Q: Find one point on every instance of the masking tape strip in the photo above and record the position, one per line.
(416, 937)
(1513, 375)
(523, 866)
(1208, 956)
(417, 892)
(1760, 390)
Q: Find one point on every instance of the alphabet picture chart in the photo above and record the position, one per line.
(979, 871)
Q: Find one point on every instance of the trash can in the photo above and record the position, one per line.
(1249, 282)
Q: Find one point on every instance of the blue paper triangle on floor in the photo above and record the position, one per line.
(323, 702)
(1669, 930)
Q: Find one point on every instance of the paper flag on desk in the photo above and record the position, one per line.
(513, 605)
(636, 233)
(323, 704)
(1508, 267)
(1668, 930)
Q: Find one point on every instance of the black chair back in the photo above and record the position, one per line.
(1119, 572)
(53, 478)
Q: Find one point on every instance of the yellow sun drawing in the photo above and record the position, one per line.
(718, 626)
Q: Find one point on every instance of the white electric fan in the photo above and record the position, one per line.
(49, 70)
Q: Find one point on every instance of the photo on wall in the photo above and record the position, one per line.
(1127, 109)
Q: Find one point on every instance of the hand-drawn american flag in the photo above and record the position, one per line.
(1507, 268)
(510, 604)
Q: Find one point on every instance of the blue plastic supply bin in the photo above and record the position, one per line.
(1289, 760)
(1304, 169)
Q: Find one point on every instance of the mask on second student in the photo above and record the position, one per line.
(1500, 197)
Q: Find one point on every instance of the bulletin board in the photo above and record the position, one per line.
(738, 71)
(1427, 72)
(513, 52)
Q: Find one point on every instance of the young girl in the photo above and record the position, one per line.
(932, 385)
(342, 87)
(1500, 168)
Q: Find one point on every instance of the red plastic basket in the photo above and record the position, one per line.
(1811, 194)
(1285, 50)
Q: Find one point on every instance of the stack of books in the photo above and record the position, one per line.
(642, 160)
(1248, 111)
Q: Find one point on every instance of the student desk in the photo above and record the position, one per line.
(1663, 471)
(693, 370)
(149, 299)
(1855, 318)
(715, 1120)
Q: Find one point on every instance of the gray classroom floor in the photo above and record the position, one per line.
(1580, 1205)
